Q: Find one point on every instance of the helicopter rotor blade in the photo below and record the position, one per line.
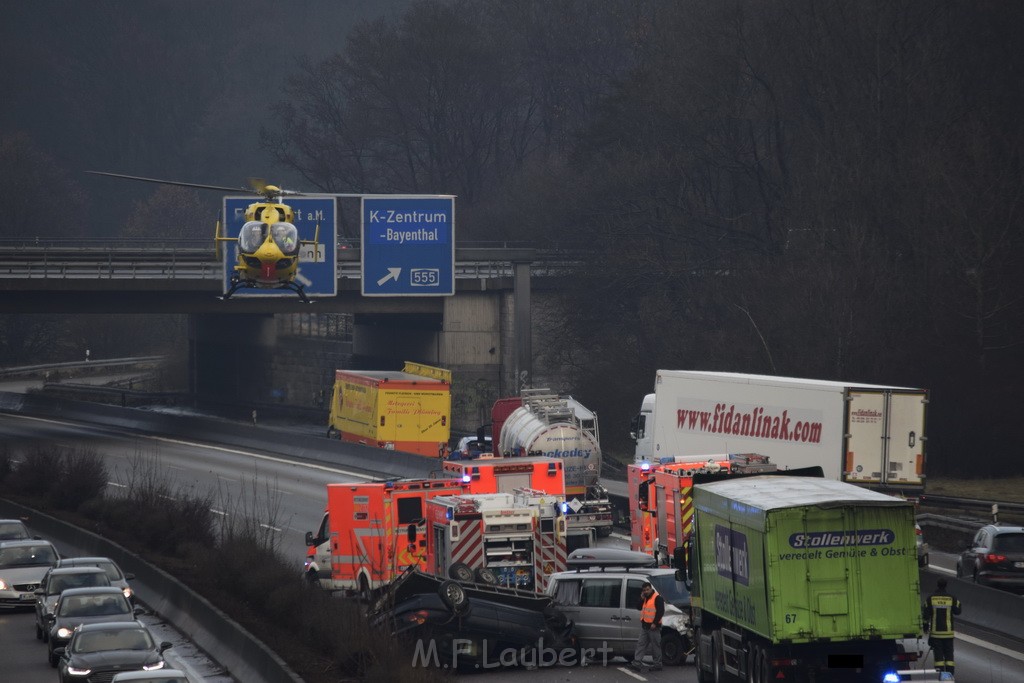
(174, 182)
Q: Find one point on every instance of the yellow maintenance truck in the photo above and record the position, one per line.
(404, 410)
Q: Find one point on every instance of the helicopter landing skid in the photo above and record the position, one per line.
(239, 284)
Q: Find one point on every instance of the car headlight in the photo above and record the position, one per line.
(3, 585)
(127, 592)
(154, 667)
(65, 632)
(75, 671)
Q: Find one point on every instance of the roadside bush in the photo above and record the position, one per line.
(35, 473)
(5, 462)
(81, 478)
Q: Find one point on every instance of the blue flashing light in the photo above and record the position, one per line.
(565, 508)
(466, 478)
(449, 513)
(389, 484)
(645, 466)
(891, 677)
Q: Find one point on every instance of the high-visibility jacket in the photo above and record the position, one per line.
(652, 610)
(939, 610)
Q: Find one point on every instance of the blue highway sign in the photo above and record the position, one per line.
(317, 271)
(408, 245)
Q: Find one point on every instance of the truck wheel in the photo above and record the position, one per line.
(673, 649)
(485, 575)
(332, 433)
(453, 596)
(461, 572)
(703, 676)
(312, 580)
(716, 658)
(762, 668)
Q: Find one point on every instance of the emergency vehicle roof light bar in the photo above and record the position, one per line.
(645, 466)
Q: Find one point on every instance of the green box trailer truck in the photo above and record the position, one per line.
(801, 579)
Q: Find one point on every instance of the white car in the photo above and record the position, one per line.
(470, 448)
(23, 564)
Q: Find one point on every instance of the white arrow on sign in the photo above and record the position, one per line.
(392, 275)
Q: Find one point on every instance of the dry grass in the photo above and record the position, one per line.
(1009, 490)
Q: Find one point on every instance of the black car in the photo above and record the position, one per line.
(994, 557)
(78, 606)
(472, 626)
(99, 651)
(57, 581)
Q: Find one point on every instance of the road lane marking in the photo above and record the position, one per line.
(199, 444)
(626, 670)
(1006, 652)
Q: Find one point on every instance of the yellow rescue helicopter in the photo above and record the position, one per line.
(268, 243)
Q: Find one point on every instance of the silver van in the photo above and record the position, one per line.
(601, 595)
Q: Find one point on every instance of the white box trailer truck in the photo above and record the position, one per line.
(866, 434)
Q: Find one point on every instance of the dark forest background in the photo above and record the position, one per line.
(813, 188)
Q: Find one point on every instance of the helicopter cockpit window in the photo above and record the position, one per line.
(251, 236)
(286, 237)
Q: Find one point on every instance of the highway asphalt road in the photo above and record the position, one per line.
(289, 498)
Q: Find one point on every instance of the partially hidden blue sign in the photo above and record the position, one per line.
(317, 270)
(408, 245)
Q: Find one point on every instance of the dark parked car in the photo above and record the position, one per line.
(470, 626)
(77, 606)
(97, 652)
(117, 577)
(56, 582)
(994, 557)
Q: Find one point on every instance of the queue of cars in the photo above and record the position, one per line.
(83, 612)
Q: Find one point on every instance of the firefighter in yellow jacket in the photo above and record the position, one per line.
(938, 612)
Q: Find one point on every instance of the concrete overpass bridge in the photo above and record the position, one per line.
(483, 333)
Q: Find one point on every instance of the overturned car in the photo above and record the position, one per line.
(473, 625)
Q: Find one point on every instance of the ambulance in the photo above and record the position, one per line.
(371, 533)
(514, 539)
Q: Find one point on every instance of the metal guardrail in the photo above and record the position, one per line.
(90, 364)
(970, 503)
(128, 265)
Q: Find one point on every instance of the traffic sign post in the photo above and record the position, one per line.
(408, 245)
(317, 270)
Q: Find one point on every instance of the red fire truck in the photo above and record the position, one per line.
(503, 475)
(512, 539)
(668, 492)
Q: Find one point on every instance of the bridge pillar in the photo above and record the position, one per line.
(230, 356)
(470, 337)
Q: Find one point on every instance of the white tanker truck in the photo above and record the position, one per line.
(546, 424)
